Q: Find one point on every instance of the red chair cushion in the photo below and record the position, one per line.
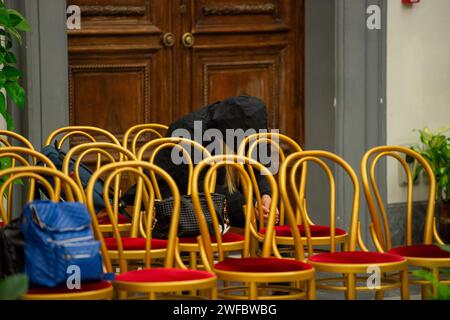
(226, 238)
(163, 275)
(2, 224)
(316, 231)
(85, 287)
(261, 265)
(121, 219)
(357, 257)
(135, 243)
(421, 251)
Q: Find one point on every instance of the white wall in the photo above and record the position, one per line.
(418, 77)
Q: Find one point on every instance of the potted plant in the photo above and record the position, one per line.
(435, 149)
(11, 24)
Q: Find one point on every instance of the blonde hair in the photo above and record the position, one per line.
(231, 175)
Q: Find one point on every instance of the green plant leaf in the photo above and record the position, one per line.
(11, 73)
(16, 93)
(14, 287)
(5, 20)
(18, 21)
(10, 57)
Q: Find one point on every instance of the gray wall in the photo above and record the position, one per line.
(319, 97)
(43, 59)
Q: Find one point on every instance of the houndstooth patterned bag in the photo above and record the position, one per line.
(188, 224)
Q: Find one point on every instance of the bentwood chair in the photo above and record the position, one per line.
(104, 153)
(190, 151)
(151, 281)
(4, 142)
(20, 157)
(320, 234)
(425, 255)
(41, 175)
(132, 241)
(352, 267)
(142, 133)
(82, 133)
(258, 275)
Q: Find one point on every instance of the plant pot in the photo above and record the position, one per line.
(444, 221)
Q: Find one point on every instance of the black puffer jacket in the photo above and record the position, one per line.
(242, 112)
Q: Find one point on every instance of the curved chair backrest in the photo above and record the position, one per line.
(281, 144)
(135, 168)
(5, 134)
(185, 146)
(142, 132)
(87, 133)
(286, 181)
(380, 230)
(41, 175)
(211, 165)
(21, 157)
(105, 153)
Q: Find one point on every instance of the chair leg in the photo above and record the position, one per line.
(152, 295)
(312, 289)
(253, 291)
(425, 292)
(379, 295)
(436, 276)
(351, 286)
(404, 278)
(193, 260)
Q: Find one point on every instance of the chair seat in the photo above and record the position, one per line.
(226, 238)
(163, 275)
(85, 287)
(261, 265)
(135, 243)
(421, 251)
(316, 231)
(121, 219)
(356, 257)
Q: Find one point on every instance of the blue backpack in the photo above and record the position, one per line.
(59, 240)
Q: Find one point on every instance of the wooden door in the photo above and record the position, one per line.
(251, 47)
(122, 74)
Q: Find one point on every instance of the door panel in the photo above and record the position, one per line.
(219, 73)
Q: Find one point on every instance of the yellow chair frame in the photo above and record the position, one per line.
(380, 229)
(20, 155)
(250, 279)
(138, 131)
(159, 144)
(172, 257)
(87, 132)
(350, 271)
(106, 150)
(26, 143)
(73, 193)
(252, 142)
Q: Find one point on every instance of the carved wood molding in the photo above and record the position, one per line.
(239, 9)
(86, 68)
(112, 11)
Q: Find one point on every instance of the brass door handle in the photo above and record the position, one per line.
(168, 39)
(188, 40)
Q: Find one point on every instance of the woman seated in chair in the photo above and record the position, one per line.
(231, 118)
